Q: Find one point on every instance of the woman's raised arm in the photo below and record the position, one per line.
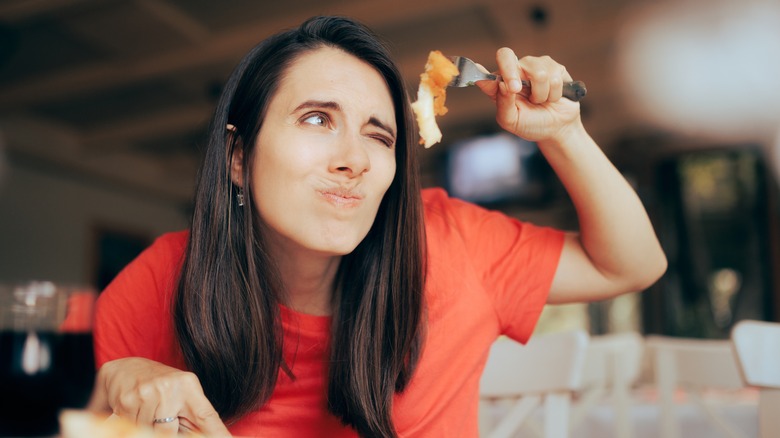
(616, 249)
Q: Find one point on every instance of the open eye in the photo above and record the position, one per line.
(318, 119)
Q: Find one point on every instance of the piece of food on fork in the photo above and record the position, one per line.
(431, 94)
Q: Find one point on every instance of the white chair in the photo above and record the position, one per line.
(757, 345)
(693, 366)
(544, 372)
(612, 367)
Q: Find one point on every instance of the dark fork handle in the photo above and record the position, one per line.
(574, 90)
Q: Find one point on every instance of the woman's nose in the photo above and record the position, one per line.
(351, 156)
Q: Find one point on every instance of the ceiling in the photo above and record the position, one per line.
(119, 93)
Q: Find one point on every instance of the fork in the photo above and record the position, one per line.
(469, 73)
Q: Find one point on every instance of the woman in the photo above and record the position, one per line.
(319, 291)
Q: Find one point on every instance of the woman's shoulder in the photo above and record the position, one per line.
(433, 194)
(159, 262)
(448, 220)
(171, 241)
(442, 209)
(447, 217)
(167, 246)
(437, 201)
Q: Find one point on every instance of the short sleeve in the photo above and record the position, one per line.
(515, 260)
(133, 314)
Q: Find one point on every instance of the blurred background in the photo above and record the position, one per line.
(104, 105)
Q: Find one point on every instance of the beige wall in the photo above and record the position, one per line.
(48, 222)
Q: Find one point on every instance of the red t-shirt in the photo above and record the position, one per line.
(487, 275)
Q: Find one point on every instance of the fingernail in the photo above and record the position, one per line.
(515, 86)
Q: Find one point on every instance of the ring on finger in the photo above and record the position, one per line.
(164, 420)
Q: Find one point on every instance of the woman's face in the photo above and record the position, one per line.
(325, 155)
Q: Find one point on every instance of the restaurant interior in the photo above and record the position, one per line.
(104, 106)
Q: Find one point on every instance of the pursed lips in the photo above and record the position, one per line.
(341, 196)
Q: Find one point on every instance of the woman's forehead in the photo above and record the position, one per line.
(331, 73)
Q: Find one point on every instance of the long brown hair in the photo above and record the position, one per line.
(226, 309)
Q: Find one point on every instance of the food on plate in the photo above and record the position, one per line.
(431, 94)
(78, 424)
(82, 424)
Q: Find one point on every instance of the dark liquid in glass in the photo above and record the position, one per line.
(40, 374)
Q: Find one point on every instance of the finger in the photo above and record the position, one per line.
(508, 66)
(187, 428)
(200, 416)
(149, 399)
(127, 406)
(167, 426)
(540, 87)
(538, 74)
(506, 108)
(166, 420)
(204, 418)
(124, 403)
(558, 77)
(556, 86)
(565, 74)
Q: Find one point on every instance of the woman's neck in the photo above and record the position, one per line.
(309, 282)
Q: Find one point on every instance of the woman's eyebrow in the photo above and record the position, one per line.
(381, 125)
(319, 104)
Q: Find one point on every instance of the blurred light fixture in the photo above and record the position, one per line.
(704, 67)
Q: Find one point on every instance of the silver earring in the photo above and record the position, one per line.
(240, 197)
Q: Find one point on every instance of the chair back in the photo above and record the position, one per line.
(612, 367)
(545, 371)
(693, 366)
(757, 345)
(613, 360)
(696, 363)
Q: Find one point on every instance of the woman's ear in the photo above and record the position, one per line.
(236, 157)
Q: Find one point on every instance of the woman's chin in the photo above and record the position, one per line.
(338, 250)
(339, 243)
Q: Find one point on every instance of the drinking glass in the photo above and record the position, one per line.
(46, 357)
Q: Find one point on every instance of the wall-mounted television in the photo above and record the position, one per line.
(495, 169)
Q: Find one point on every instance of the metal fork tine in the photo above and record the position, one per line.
(468, 72)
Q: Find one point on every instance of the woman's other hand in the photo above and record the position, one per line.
(538, 114)
(142, 391)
